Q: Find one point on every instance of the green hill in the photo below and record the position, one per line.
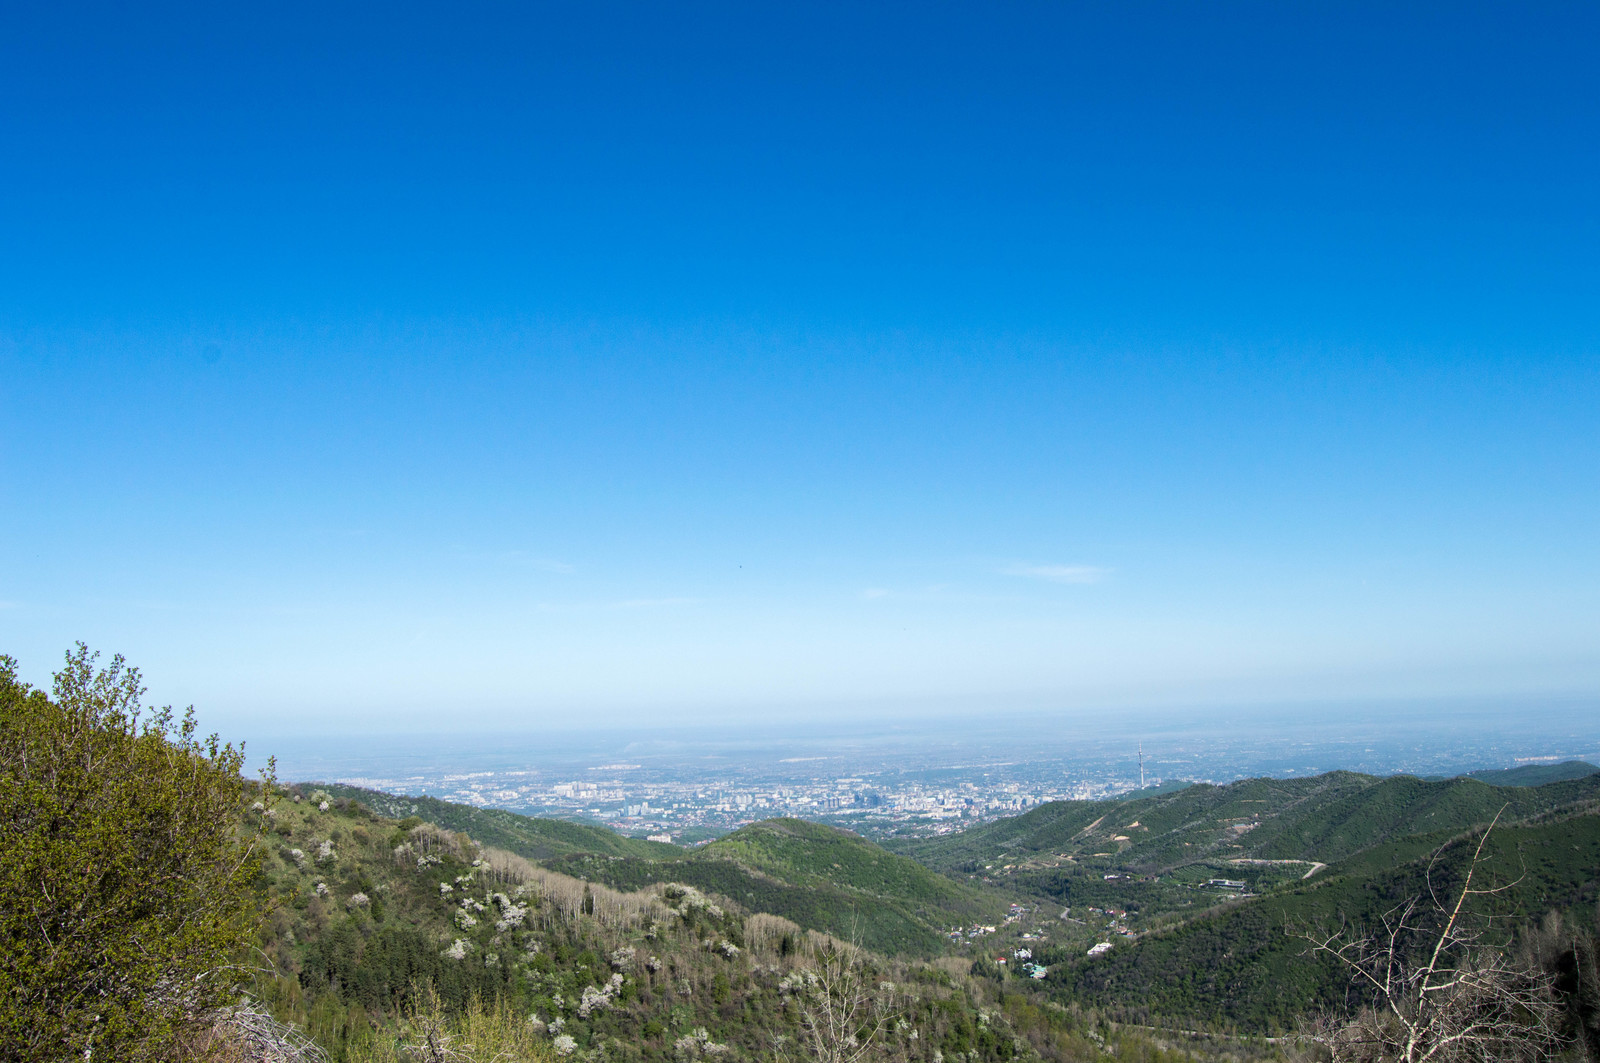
(1535, 774)
(822, 878)
(1403, 805)
(530, 836)
(1309, 821)
(1171, 786)
(1139, 835)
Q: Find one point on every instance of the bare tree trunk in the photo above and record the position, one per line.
(1468, 1000)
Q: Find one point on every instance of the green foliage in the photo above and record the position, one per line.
(125, 889)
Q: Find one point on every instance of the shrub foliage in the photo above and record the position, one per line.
(126, 887)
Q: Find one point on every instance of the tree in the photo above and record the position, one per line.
(126, 884)
(842, 1013)
(1439, 990)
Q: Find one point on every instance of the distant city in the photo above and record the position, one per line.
(648, 804)
(921, 777)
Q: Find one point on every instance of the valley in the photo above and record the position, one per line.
(1184, 911)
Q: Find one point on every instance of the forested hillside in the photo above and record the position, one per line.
(1313, 820)
(1247, 962)
(1535, 774)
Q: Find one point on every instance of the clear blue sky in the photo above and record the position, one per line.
(528, 365)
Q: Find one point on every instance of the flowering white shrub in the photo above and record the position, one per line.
(797, 982)
(689, 897)
(564, 1045)
(536, 1022)
(622, 957)
(322, 806)
(653, 964)
(325, 851)
(322, 889)
(465, 919)
(298, 857)
(593, 1000)
(258, 807)
(511, 916)
(728, 949)
(445, 889)
(698, 1044)
(598, 999)
(358, 900)
(457, 951)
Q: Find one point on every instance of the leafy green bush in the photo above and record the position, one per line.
(125, 889)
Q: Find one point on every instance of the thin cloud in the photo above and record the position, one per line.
(874, 592)
(524, 559)
(654, 603)
(1059, 573)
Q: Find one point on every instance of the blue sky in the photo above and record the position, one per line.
(532, 366)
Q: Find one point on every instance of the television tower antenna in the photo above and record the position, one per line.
(1141, 765)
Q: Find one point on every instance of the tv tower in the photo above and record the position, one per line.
(1141, 765)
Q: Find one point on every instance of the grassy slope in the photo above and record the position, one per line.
(822, 878)
(528, 836)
